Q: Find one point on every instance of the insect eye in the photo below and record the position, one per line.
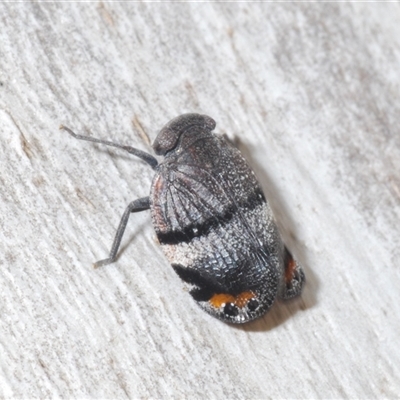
(169, 136)
(166, 140)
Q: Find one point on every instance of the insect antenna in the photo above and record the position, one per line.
(148, 158)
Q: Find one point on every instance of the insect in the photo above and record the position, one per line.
(213, 222)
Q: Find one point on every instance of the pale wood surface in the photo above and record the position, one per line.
(311, 91)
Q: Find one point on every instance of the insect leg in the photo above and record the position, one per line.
(136, 206)
(294, 277)
(148, 158)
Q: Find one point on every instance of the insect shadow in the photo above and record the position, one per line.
(281, 311)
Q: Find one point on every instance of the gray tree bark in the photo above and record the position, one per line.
(311, 92)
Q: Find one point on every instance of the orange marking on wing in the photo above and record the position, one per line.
(220, 299)
(290, 269)
(243, 298)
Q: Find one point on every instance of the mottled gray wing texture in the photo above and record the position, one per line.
(202, 189)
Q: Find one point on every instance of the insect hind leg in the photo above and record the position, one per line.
(294, 277)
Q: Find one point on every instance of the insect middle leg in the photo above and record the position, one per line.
(138, 205)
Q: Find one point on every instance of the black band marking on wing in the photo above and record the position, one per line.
(187, 233)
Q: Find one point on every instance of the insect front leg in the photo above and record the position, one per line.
(136, 206)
